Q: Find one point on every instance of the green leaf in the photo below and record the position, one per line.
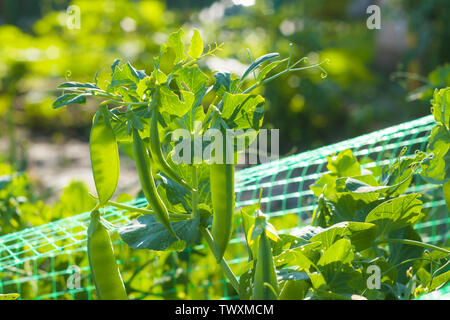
(176, 43)
(361, 234)
(357, 186)
(75, 199)
(336, 255)
(192, 77)
(147, 233)
(196, 48)
(264, 71)
(246, 282)
(69, 98)
(345, 164)
(126, 76)
(171, 103)
(440, 281)
(307, 232)
(243, 111)
(399, 252)
(258, 62)
(396, 213)
(288, 274)
(441, 107)
(104, 157)
(437, 169)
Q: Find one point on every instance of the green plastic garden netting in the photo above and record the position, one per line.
(50, 261)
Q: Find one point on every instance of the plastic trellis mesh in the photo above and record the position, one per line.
(50, 261)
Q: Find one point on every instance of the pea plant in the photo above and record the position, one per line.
(187, 201)
(365, 215)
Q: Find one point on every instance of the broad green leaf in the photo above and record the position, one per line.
(192, 77)
(288, 274)
(396, 213)
(344, 164)
(441, 107)
(286, 241)
(177, 196)
(361, 234)
(399, 252)
(437, 169)
(75, 199)
(176, 43)
(243, 111)
(307, 232)
(171, 103)
(336, 255)
(69, 98)
(440, 281)
(147, 233)
(196, 48)
(335, 266)
(246, 282)
(104, 157)
(357, 186)
(295, 257)
(328, 180)
(344, 206)
(126, 76)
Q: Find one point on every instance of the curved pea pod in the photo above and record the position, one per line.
(104, 269)
(157, 155)
(265, 272)
(222, 197)
(148, 183)
(104, 156)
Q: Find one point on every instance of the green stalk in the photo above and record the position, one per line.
(415, 243)
(174, 216)
(223, 263)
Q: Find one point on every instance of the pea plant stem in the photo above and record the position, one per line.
(415, 243)
(175, 216)
(223, 263)
(289, 69)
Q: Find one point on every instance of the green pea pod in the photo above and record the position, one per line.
(148, 183)
(446, 189)
(104, 156)
(265, 272)
(104, 269)
(222, 197)
(157, 155)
